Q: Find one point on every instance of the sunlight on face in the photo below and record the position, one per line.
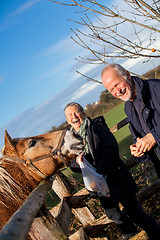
(117, 85)
(74, 117)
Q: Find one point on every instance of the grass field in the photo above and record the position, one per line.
(123, 136)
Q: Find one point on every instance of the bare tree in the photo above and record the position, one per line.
(130, 30)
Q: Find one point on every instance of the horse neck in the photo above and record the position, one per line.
(16, 183)
(22, 175)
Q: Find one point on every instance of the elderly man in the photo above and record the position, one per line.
(142, 106)
(101, 150)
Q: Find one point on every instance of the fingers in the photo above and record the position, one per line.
(146, 143)
(133, 149)
(79, 158)
(137, 149)
(138, 154)
(135, 152)
(142, 145)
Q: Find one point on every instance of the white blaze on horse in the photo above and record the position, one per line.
(27, 161)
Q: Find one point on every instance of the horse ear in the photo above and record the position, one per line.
(9, 146)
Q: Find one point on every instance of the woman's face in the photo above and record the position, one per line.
(74, 117)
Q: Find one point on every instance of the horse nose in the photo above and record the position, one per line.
(77, 146)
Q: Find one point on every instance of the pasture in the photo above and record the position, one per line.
(123, 135)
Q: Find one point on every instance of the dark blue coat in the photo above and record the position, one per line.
(148, 92)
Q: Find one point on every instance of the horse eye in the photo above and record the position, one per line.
(32, 143)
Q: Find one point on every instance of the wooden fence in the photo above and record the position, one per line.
(33, 220)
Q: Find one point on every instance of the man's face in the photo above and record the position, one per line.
(74, 117)
(117, 85)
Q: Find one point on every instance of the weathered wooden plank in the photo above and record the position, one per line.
(55, 210)
(141, 235)
(46, 227)
(62, 214)
(99, 238)
(79, 235)
(20, 223)
(84, 215)
(97, 225)
(77, 198)
(60, 187)
(119, 125)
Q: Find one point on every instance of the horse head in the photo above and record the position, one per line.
(41, 154)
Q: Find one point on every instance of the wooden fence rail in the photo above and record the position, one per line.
(22, 219)
(54, 224)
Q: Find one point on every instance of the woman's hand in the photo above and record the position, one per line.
(79, 158)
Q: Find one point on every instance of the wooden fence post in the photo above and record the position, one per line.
(19, 224)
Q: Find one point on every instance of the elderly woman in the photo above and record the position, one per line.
(101, 150)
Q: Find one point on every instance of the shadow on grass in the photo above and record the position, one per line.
(124, 147)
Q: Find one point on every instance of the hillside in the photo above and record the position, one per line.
(154, 73)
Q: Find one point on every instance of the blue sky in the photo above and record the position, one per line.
(36, 53)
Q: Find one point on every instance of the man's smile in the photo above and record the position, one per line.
(122, 92)
(76, 121)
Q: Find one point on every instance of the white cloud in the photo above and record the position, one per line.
(65, 44)
(23, 8)
(83, 90)
(9, 19)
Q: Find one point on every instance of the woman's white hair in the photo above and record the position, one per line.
(80, 108)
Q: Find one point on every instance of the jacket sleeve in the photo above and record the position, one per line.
(106, 148)
(74, 166)
(155, 98)
(135, 135)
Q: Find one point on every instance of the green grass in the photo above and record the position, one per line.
(74, 178)
(123, 136)
(115, 115)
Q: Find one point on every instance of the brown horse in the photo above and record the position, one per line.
(26, 161)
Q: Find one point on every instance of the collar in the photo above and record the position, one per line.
(139, 85)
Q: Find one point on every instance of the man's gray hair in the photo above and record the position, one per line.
(80, 108)
(118, 68)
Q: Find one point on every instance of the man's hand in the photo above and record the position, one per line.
(142, 145)
(146, 143)
(135, 152)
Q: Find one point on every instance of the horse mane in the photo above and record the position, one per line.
(9, 188)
